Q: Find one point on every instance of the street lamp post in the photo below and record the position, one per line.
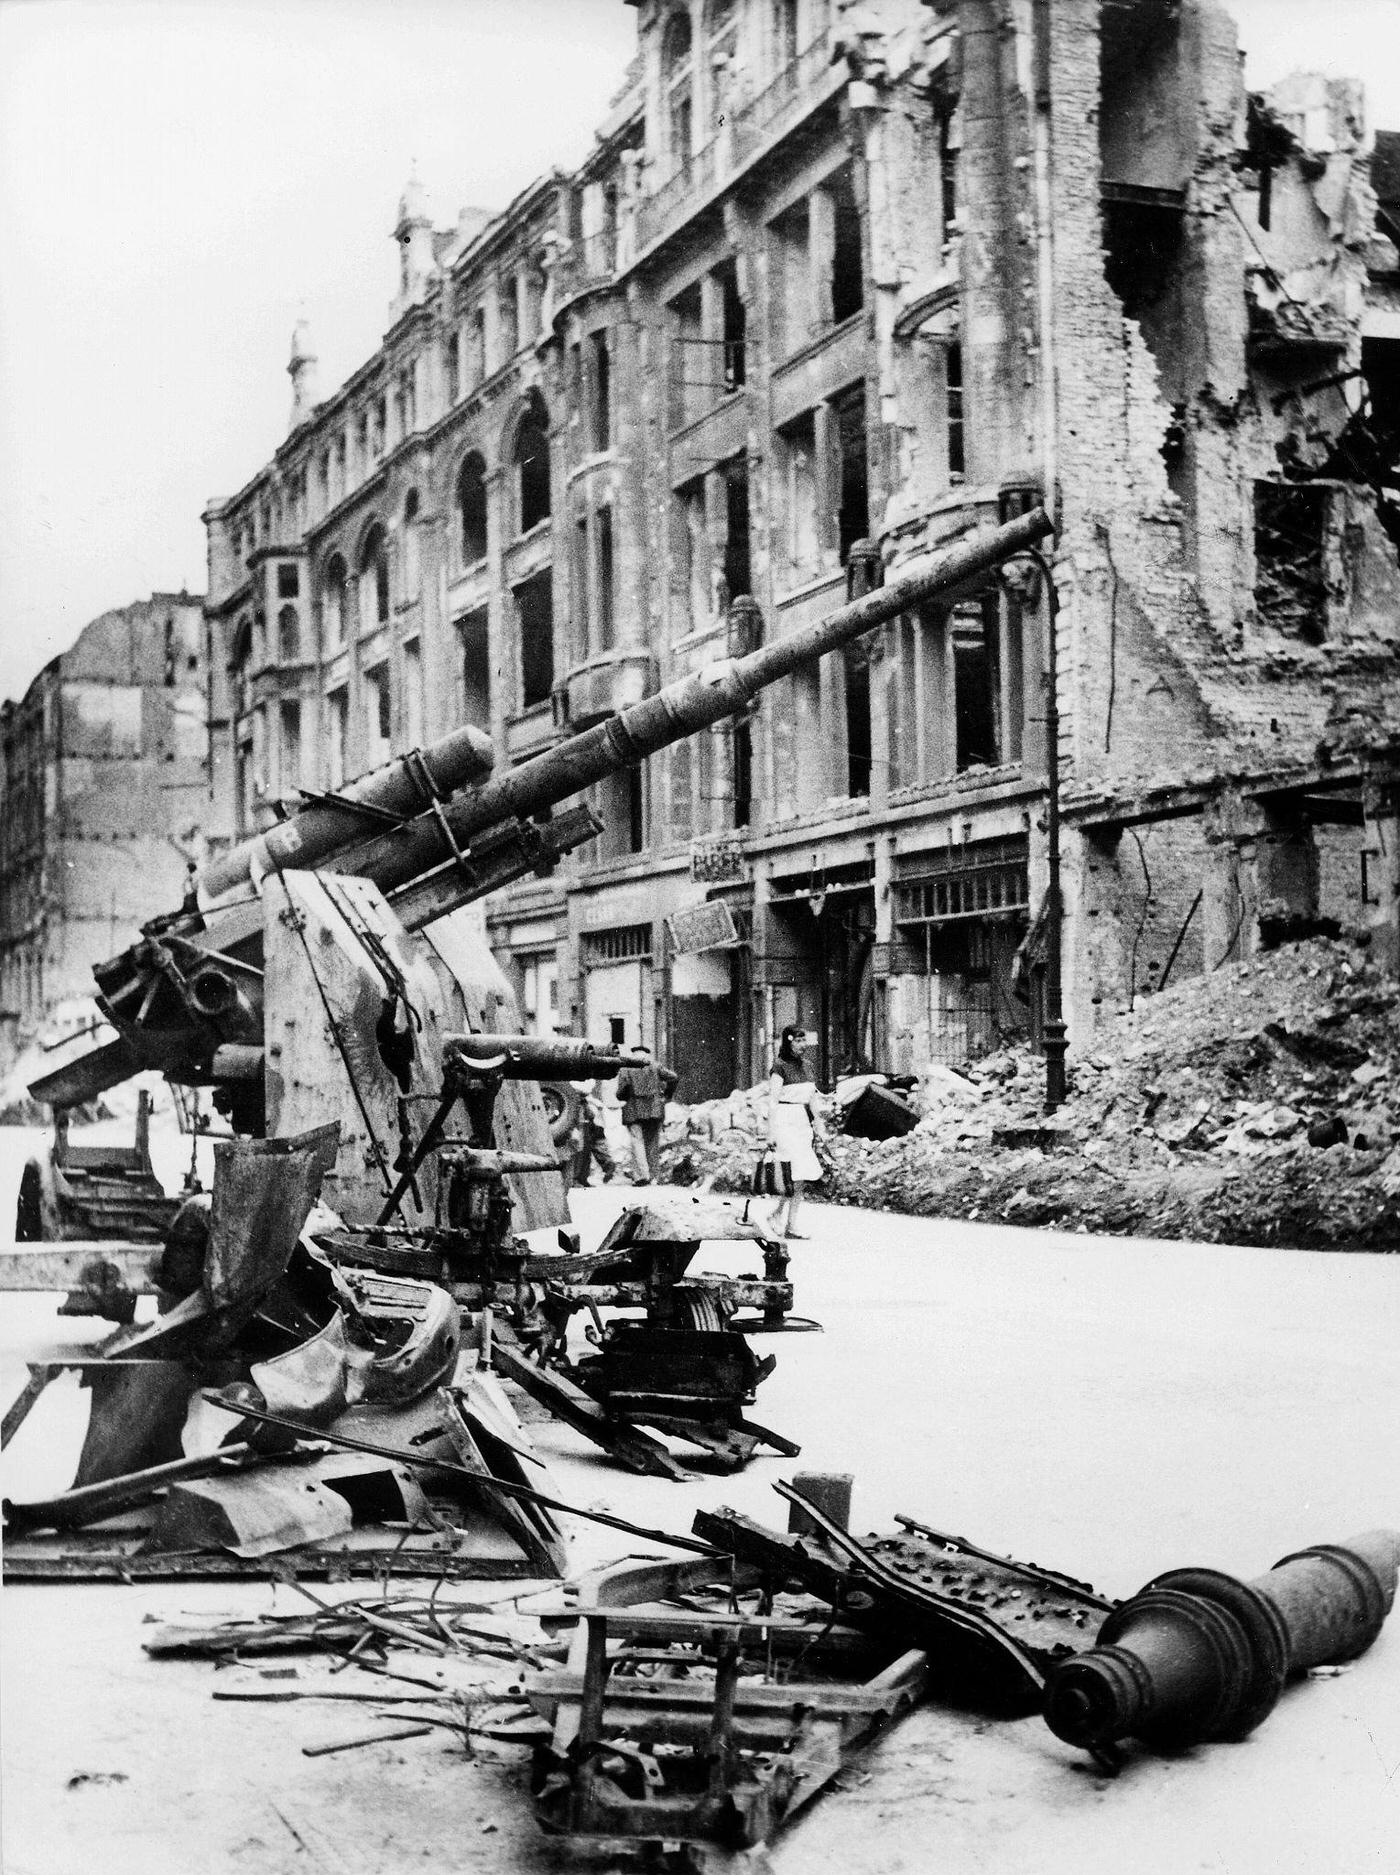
(1053, 1018)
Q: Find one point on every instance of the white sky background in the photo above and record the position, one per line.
(179, 178)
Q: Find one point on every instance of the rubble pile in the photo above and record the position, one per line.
(1257, 1105)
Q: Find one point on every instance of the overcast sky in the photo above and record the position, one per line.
(179, 178)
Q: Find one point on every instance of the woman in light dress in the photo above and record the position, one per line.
(791, 1092)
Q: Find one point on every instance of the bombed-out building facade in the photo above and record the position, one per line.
(836, 285)
(105, 805)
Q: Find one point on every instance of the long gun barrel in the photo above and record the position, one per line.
(541, 1057)
(194, 983)
(690, 704)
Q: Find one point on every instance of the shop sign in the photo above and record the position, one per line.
(707, 927)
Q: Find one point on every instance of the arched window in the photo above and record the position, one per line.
(374, 580)
(288, 635)
(721, 38)
(678, 88)
(333, 603)
(471, 509)
(412, 562)
(532, 466)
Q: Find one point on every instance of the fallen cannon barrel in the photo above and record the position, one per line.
(542, 1057)
(1198, 1655)
(399, 789)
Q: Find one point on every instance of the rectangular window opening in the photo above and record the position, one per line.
(853, 515)
(953, 370)
(737, 571)
(605, 578)
(534, 610)
(474, 636)
(976, 689)
(859, 748)
(690, 372)
(847, 257)
(602, 393)
(735, 326)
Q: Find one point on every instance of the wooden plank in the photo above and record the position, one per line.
(627, 1444)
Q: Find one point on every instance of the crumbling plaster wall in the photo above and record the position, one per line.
(1166, 672)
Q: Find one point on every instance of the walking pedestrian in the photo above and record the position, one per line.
(593, 1136)
(791, 1093)
(644, 1092)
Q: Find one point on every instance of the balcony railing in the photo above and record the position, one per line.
(671, 203)
(758, 119)
(590, 261)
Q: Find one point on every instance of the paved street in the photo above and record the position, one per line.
(1111, 1409)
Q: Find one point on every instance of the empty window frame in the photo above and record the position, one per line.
(474, 655)
(948, 171)
(374, 580)
(847, 255)
(621, 805)
(412, 556)
(337, 736)
(333, 603)
(721, 43)
(741, 757)
(784, 32)
(692, 548)
(508, 317)
(601, 429)
(452, 362)
(734, 325)
(534, 614)
(738, 576)
(288, 635)
(678, 89)
(859, 745)
(976, 686)
(533, 494)
(790, 276)
(849, 438)
(378, 716)
(606, 625)
(690, 375)
(289, 746)
(799, 517)
(582, 608)
(471, 509)
(413, 694)
(953, 410)
(288, 579)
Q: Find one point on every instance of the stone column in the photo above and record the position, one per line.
(821, 247)
(1230, 900)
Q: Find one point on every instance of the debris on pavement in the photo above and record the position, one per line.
(1259, 1104)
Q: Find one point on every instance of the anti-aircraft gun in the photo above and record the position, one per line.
(317, 980)
(203, 995)
(314, 971)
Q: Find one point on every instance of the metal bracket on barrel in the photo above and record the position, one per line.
(461, 856)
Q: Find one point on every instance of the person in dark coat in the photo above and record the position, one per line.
(644, 1092)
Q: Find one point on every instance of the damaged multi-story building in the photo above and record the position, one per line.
(105, 805)
(836, 285)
